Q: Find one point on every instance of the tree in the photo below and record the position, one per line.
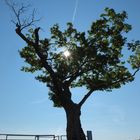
(94, 60)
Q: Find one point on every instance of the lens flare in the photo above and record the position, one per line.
(66, 53)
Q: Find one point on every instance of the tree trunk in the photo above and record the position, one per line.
(74, 129)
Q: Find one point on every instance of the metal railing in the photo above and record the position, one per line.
(27, 137)
(38, 137)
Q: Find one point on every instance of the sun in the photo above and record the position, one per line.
(66, 53)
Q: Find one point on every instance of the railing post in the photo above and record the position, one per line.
(6, 137)
(36, 137)
(89, 135)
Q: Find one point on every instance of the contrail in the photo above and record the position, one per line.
(75, 10)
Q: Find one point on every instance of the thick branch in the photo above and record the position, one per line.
(85, 97)
(18, 31)
(36, 46)
(37, 36)
(42, 57)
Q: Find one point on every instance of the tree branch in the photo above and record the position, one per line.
(85, 97)
(18, 31)
(18, 12)
(42, 57)
(76, 74)
(103, 85)
(126, 79)
(37, 49)
(20, 25)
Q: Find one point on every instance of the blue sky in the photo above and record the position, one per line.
(24, 104)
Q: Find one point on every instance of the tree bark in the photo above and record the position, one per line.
(74, 129)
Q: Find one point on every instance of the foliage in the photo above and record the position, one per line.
(96, 60)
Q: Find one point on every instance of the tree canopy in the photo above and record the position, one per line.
(95, 58)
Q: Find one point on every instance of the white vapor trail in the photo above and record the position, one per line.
(75, 11)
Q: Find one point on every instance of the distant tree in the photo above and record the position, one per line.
(93, 59)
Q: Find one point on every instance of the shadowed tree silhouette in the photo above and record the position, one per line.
(94, 60)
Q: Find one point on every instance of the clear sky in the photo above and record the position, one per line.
(24, 104)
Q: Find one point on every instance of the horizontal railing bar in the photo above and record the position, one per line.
(17, 139)
(27, 135)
